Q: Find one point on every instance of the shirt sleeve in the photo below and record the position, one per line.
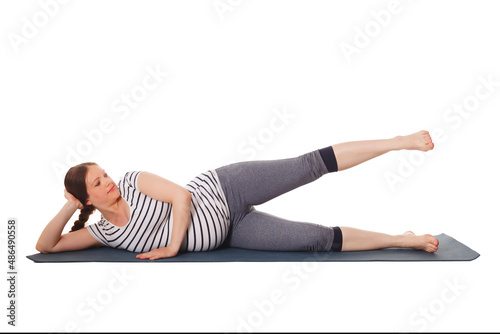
(130, 179)
(95, 231)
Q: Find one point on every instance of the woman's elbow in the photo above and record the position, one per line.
(184, 198)
(41, 249)
(44, 249)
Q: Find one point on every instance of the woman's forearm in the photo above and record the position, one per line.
(52, 232)
(181, 220)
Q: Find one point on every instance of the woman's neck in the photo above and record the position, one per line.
(117, 213)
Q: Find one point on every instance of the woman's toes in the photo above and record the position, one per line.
(432, 243)
(419, 141)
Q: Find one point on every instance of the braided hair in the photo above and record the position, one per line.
(74, 182)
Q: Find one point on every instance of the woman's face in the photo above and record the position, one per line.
(101, 188)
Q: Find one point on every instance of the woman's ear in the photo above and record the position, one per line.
(88, 202)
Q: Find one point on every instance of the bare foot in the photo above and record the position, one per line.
(424, 242)
(421, 141)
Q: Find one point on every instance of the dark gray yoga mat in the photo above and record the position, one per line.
(449, 250)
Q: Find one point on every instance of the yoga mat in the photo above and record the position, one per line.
(449, 250)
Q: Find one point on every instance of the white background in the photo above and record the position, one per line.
(231, 68)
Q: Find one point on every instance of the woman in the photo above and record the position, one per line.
(157, 218)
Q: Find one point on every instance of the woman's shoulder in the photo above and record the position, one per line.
(130, 178)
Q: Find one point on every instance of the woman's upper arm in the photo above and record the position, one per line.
(77, 240)
(160, 188)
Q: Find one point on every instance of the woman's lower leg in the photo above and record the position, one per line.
(353, 153)
(354, 239)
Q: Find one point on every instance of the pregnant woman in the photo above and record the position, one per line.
(157, 218)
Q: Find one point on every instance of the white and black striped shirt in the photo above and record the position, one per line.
(150, 224)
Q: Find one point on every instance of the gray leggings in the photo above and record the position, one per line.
(251, 183)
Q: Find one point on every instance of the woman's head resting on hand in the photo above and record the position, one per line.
(90, 184)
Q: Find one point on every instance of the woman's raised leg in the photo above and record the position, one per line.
(255, 182)
(353, 153)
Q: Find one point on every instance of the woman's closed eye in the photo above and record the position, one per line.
(99, 182)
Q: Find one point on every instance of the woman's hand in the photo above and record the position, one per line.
(72, 199)
(158, 253)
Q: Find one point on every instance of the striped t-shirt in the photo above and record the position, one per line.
(150, 224)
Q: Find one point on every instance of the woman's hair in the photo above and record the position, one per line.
(74, 182)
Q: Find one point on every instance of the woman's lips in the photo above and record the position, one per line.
(112, 188)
